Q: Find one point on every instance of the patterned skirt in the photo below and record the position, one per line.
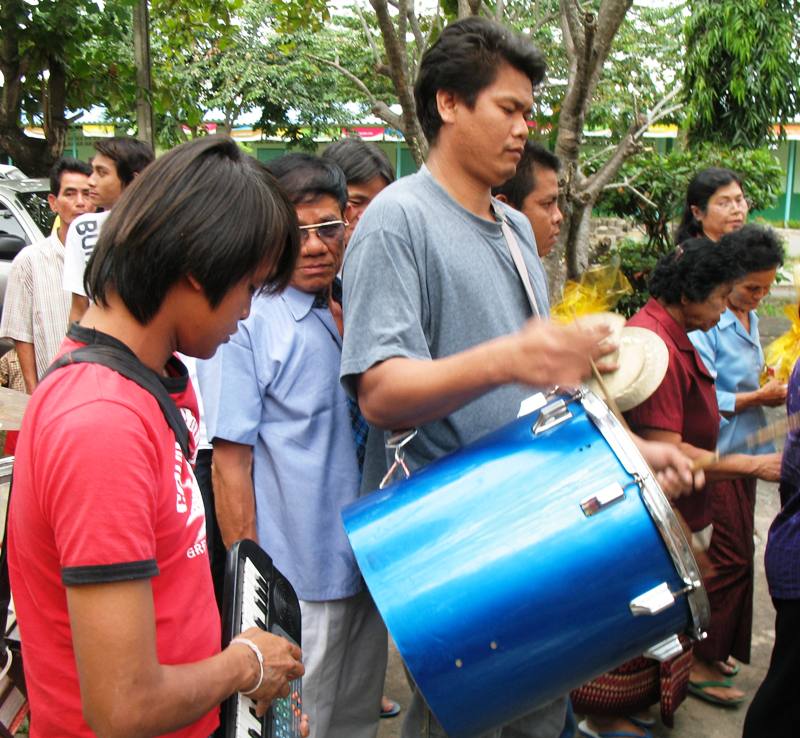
(636, 685)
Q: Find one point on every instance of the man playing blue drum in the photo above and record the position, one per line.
(439, 328)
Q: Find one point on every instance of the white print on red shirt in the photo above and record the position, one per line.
(186, 486)
(194, 432)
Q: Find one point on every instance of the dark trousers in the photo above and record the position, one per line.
(216, 548)
(775, 710)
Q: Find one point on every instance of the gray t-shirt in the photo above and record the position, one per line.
(424, 278)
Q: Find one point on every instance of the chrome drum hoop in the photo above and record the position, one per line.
(657, 505)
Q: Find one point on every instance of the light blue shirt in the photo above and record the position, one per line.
(275, 387)
(734, 358)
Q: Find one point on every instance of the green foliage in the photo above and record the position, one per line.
(636, 261)
(742, 69)
(56, 32)
(662, 179)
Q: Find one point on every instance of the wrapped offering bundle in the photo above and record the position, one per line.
(599, 290)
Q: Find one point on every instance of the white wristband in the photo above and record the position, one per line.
(252, 646)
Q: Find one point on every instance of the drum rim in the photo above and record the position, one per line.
(657, 505)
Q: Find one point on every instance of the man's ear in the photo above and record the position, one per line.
(446, 102)
(51, 201)
(502, 198)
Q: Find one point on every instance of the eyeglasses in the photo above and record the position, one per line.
(330, 230)
(737, 203)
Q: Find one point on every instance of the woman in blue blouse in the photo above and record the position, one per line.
(731, 351)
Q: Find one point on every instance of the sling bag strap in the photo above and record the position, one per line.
(109, 352)
(519, 263)
(115, 355)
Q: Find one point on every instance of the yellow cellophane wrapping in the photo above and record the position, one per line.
(599, 290)
(781, 355)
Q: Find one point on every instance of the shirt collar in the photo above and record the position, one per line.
(676, 333)
(729, 320)
(669, 324)
(299, 302)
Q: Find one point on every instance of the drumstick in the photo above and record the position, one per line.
(772, 432)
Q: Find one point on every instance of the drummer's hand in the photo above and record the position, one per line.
(544, 353)
(672, 467)
(768, 466)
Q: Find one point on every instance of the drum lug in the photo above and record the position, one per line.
(551, 416)
(659, 598)
(667, 649)
(602, 499)
(653, 601)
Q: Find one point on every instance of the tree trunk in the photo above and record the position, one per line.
(588, 37)
(394, 44)
(29, 154)
(144, 87)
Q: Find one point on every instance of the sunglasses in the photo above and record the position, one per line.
(330, 230)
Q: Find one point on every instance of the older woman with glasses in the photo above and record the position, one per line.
(715, 205)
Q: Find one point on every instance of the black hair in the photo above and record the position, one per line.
(693, 270)
(754, 248)
(204, 210)
(130, 156)
(523, 182)
(305, 178)
(465, 60)
(360, 161)
(700, 190)
(66, 164)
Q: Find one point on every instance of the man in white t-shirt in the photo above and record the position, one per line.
(117, 161)
(36, 306)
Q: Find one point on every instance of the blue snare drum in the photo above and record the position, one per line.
(527, 563)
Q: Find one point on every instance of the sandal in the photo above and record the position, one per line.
(727, 667)
(587, 732)
(698, 689)
(392, 711)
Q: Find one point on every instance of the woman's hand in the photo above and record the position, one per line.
(772, 394)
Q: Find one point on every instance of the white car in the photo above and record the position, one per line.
(25, 217)
(8, 171)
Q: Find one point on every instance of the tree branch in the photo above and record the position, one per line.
(380, 108)
(597, 182)
(371, 41)
(627, 185)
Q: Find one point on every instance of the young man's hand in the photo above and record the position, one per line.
(282, 663)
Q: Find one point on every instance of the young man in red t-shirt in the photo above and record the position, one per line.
(107, 550)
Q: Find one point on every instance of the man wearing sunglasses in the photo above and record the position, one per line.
(285, 459)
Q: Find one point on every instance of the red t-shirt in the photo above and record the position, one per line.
(685, 401)
(102, 493)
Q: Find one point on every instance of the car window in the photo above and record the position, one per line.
(9, 225)
(36, 205)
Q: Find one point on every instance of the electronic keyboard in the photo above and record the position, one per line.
(257, 594)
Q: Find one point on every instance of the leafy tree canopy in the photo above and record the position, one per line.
(742, 69)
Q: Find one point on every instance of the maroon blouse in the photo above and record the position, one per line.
(685, 401)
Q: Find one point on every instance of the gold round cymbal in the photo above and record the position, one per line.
(12, 408)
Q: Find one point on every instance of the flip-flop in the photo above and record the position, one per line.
(642, 722)
(587, 732)
(727, 667)
(393, 711)
(698, 690)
